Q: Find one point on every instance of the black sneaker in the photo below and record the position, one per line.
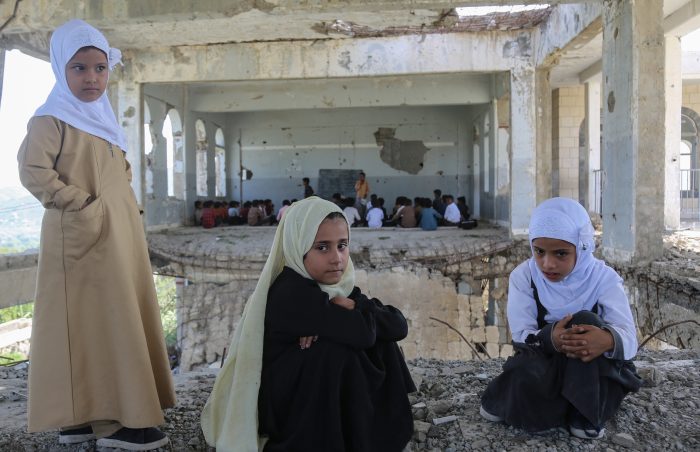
(135, 439)
(76, 435)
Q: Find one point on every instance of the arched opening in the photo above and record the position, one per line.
(172, 131)
(201, 157)
(688, 165)
(220, 163)
(148, 149)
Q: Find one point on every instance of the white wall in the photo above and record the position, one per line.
(281, 147)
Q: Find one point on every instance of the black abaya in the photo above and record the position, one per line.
(348, 391)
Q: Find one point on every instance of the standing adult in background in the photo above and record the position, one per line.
(308, 191)
(361, 193)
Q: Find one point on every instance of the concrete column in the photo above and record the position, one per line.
(592, 143)
(674, 102)
(544, 134)
(130, 116)
(523, 148)
(211, 158)
(633, 74)
(190, 157)
(231, 162)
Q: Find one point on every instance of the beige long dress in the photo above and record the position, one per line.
(97, 347)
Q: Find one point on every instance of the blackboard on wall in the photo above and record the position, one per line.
(337, 181)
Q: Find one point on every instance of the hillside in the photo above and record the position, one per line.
(20, 220)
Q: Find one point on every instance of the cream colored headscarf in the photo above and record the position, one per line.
(230, 417)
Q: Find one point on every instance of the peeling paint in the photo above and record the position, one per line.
(180, 57)
(611, 101)
(519, 47)
(129, 112)
(402, 155)
(344, 60)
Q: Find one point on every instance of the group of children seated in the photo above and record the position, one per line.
(424, 213)
(420, 212)
(258, 212)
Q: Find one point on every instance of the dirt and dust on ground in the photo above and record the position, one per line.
(663, 415)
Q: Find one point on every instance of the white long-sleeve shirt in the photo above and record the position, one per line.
(452, 213)
(613, 309)
(375, 217)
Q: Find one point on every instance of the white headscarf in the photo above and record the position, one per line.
(566, 219)
(96, 117)
(230, 417)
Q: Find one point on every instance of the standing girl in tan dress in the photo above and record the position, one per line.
(98, 363)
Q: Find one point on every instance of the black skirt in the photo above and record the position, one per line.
(538, 391)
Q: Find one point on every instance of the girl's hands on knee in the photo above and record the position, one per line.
(344, 302)
(586, 342)
(306, 341)
(558, 331)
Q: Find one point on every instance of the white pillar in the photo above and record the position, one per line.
(190, 156)
(130, 117)
(633, 74)
(211, 158)
(593, 142)
(544, 135)
(523, 193)
(674, 102)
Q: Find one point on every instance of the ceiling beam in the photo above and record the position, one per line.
(684, 20)
(592, 71)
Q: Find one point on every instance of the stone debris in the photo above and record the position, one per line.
(662, 416)
(624, 439)
(444, 420)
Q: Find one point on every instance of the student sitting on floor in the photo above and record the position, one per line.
(572, 329)
(429, 217)
(375, 215)
(351, 213)
(452, 215)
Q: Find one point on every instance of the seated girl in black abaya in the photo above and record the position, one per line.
(332, 377)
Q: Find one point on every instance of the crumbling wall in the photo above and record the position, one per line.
(661, 295)
(423, 295)
(209, 316)
(455, 277)
(459, 288)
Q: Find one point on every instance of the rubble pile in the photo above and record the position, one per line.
(663, 415)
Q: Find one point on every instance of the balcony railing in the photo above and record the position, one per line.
(689, 194)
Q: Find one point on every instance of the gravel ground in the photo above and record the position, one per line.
(663, 415)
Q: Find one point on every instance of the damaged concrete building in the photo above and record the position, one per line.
(241, 99)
